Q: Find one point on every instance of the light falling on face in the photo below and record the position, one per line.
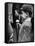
(24, 15)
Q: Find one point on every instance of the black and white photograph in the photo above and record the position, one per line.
(19, 22)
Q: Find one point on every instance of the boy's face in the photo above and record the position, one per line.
(21, 17)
